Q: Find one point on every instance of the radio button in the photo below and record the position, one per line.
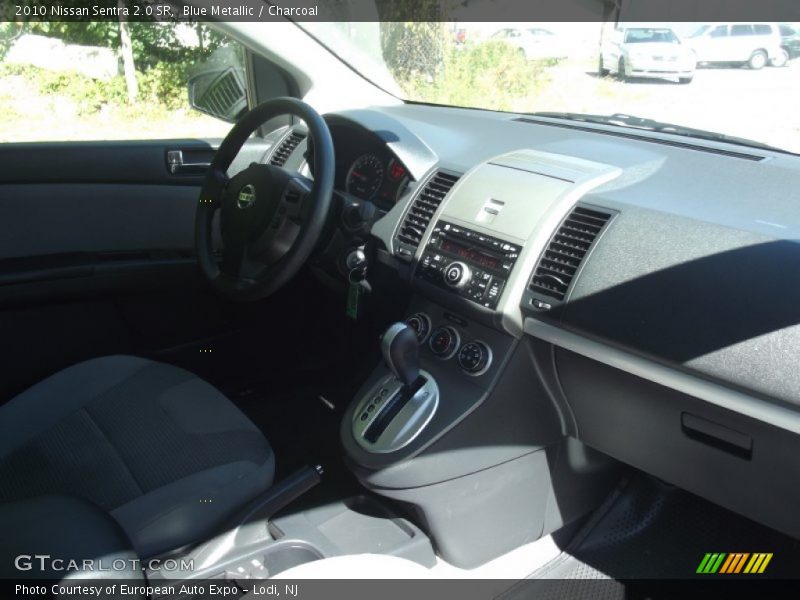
(494, 290)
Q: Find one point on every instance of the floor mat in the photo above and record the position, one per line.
(648, 530)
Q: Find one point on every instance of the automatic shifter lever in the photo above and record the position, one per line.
(400, 349)
(397, 407)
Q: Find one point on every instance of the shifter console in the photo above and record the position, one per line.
(396, 409)
(391, 415)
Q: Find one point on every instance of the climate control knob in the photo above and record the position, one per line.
(475, 357)
(457, 275)
(444, 341)
(421, 324)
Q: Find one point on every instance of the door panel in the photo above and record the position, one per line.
(56, 218)
(96, 253)
(101, 197)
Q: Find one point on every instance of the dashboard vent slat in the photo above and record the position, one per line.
(565, 252)
(424, 206)
(284, 151)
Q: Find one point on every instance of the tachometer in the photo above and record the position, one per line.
(365, 176)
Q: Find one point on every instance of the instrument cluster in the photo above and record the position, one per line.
(366, 168)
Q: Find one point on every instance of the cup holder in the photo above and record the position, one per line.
(284, 556)
(279, 557)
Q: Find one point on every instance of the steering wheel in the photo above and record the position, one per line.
(270, 218)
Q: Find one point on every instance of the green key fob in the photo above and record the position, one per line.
(353, 292)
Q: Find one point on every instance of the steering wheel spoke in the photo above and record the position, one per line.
(295, 198)
(234, 255)
(214, 187)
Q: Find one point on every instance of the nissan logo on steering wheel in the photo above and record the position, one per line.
(247, 197)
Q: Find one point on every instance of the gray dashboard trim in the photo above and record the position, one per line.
(719, 395)
(415, 154)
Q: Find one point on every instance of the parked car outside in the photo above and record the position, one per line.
(536, 43)
(651, 52)
(754, 45)
(790, 40)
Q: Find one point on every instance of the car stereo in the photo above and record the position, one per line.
(468, 263)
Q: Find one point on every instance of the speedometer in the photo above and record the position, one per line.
(365, 176)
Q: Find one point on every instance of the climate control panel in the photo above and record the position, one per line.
(468, 263)
(445, 342)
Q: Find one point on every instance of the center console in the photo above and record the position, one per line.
(475, 462)
(470, 438)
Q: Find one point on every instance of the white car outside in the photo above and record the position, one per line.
(536, 43)
(650, 52)
(751, 44)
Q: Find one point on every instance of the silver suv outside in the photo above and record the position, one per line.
(752, 44)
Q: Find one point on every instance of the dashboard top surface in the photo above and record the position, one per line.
(758, 194)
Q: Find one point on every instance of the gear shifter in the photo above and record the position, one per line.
(397, 407)
(400, 348)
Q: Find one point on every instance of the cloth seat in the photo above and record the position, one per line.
(164, 452)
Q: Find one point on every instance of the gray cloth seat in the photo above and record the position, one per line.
(165, 453)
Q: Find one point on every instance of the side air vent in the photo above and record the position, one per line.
(565, 252)
(423, 208)
(284, 151)
(224, 97)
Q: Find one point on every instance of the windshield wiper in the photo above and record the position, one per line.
(634, 122)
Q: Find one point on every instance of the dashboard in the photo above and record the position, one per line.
(647, 276)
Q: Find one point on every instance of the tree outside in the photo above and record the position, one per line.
(103, 80)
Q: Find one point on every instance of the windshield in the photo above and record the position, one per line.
(700, 31)
(580, 68)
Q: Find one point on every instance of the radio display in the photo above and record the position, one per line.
(471, 255)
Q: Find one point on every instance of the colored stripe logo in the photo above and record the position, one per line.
(734, 563)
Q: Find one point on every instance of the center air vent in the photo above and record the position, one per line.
(565, 252)
(423, 208)
(284, 151)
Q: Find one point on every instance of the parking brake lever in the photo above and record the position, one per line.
(280, 495)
